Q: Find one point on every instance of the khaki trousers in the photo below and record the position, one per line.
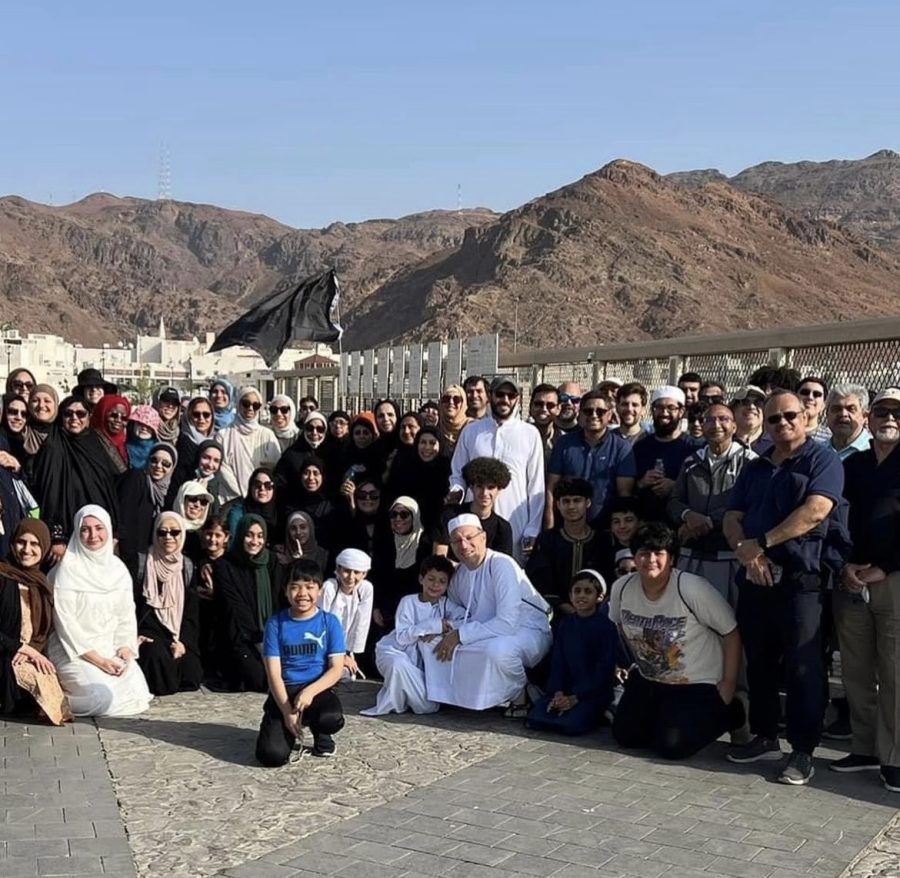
(869, 638)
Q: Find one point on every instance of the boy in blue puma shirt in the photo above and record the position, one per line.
(303, 653)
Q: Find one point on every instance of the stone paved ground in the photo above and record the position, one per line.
(461, 794)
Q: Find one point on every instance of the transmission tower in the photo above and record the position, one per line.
(165, 174)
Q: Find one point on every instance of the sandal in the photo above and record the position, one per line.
(517, 711)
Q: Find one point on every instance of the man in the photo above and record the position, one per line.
(542, 411)
(608, 389)
(776, 524)
(700, 500)
(480, 661)
(659, 456)
(476, 391)
(747, 406)
(518, 445)
(570, 393)
(689, 384)
(867, 606)
(631, 400)
(712, 393)
(812, 392)
(846, 410)
(306, 405)
(92, 387)
(592, 452)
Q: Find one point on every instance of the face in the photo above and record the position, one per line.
(311, 477)
(250, 406)
(367, 498)
(215, 541)
(349, 579)
(262, 488)
(584, 596)
(846, 416)
(785, 419)
(362, 436)
(667, 415)
(401, 520)
(452, 404)
(16, 415)
(749, 414)
(485, 496)
(116, 419)
(43, 408)
(503, 401)
(623, 526)
(314, 432)
(691, 391)
(219, 397)
(653, 564)
(167, 536)
(93, 395)
(625, 566)
(409, 429)
(470, 545)
(201, 415)
(27, 551)
(718, 424)
(593, 416)
(142, 431)
(298, 530)
(195, 508)
(630, 409)
(302, 595)
(544, 407)
(306, 406)
(75, 418)
(570, 395)
(159, 465)
(714, 394)
(339, 427)
(695, 424)
(386, 418)
(428, 447)
(210, 461)
(884, 421)
(93, 533)
(477, 396)
(434, 585)
(431, 416)
(279, 415)
(254, 540)
(573, 508)
(21, 385)
(812, 395)
(168, 410)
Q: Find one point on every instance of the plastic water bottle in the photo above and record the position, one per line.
(660, 466)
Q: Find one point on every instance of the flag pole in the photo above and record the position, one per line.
(340, 341)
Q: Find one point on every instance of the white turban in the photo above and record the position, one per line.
(354, 559)
(668, 391)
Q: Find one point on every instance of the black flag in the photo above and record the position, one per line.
(307, 311)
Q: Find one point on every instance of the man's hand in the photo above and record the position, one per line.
(759, 572)
(696, 525)
(291, 716)
(443, 652)
(663, 487)
(650, 478)
(303, 700)
(378, 618)
(873, 575)
(747, 551)
(142, 640)
(350, 664)
(454, 497)
(850, 577)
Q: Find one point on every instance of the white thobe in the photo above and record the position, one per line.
(354, 610)
(504, 630)
(244, 452)
(519, 446)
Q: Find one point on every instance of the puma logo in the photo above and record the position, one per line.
(320, 639)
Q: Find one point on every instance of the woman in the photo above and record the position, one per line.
(300, 542)
(424, 476)
(167, 402)
(72, 470)
(141, 435)
(360, 455)
(27, 677)
(243, 600)
(260, 500)
(339, 426)
(95, 642)
(168, 612)
(14, 424)
(452, 417)
(221, 395)
(43, 406)
(683, 638)
(314, 441)
(362, 521)
(193, 503)
(214, 544)
(247, 443)
(142, 496)
(21, 382)
(197, 427)
(109, 420)
(282, 417)
(387, 419)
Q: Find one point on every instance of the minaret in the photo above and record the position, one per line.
(162, 327)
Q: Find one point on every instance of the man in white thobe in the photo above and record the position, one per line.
(519, 446)
(504, 628)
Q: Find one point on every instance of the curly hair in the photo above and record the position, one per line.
(486, 471)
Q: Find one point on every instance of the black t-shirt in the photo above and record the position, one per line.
(647, 452)
(498, 530)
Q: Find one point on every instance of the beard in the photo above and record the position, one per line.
(666, 428)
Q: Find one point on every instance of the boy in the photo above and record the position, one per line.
(303, 653)
(571, 546)
(582, 664)
(623, 524)
(350, 596)
(420, 618)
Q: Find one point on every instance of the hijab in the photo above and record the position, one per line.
(36, 432)
(223, 483)
(168, 430)
(91, 571)
(259, 564)
(268, 512)
(187, 425)
(39, 592)
(311, 418)
(450, 429)
(15, 439)
(387, 442)
(98, 422)
(407, 545)
(246, 426)
(311, 546)
(164, 577)
(224, 418)
(286, 435)
(159, 489)
(192, 489)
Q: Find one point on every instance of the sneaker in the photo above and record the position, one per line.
(798, 771)
(323, 745)
(854, 762)
(890, 777)
(838, 730)
(758, 750)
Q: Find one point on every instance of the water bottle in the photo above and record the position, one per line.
(660, 466)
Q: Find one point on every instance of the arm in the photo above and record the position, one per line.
(328, 680)
(802, 520)
(359, 630)
(458, 461)
(758, 570)
(534, 481)
(553, 480)
(624, 486)
(678, 504)
(407, 631)
(290, 714)
(732, 662)
(509, 600)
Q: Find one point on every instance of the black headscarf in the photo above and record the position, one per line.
(268, 512)
(16, 441)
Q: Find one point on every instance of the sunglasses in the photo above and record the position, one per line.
(368, 495)
(598, 411)
(883, 411)
(280, 409)
(81, 414)
(567, 397)
(755, 401)
(695, 419)
(808, 391)
(540, 404)
(452, 400)
(314, 428)
(264, 486)
(506, 394)
(778, 417)
(202, 501)
(246, 404)
(168, 532)
(117, 416)
(16, 413)
(204, 416)
(402, 514)
(161, 461)
(712, 400)
(23, 385)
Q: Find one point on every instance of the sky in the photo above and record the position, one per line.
(318, 112)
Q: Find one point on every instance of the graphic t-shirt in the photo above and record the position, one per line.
(303, 645)
(677, 638)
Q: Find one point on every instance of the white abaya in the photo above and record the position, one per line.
(504, 630)
(353, 609)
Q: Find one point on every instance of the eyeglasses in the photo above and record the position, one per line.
(778, 417)
(246, 404)
(567, 397)
(203, 416)
(117, 416)
(23, 385)
(168, 532)
(667, 409)
(81, 414)
(715, 419)
(808, 391)
(883, 411)
(452, 400)
(368, 495)
(506, 394)
(263, 486)
(596, 411)
(402, 514)
(202, 501)
(542, 404)
(280, 409)
(315, 428)
(161, 461)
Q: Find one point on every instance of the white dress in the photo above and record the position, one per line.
(504, 630)
(246, 448)
(399, 660)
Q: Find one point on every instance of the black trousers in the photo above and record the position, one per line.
(243, 668)
(673, 721)
(274, 742)
(166, 675)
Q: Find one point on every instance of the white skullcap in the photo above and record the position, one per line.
(464, 520)
(590, 573)
(354, 559)
(668, 391)
(623, 554)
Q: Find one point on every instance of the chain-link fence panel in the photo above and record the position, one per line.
(732, 369)
(874, 364)
(651, 372)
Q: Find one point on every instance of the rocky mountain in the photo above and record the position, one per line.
(863, 194)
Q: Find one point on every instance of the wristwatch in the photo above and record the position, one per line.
(763, 543)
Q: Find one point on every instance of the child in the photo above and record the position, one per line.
(350, 596)
(582, 664)
(303, 652)
(623, 525)
(625, 563)
(420, 618)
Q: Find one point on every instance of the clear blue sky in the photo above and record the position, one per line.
(313, 112)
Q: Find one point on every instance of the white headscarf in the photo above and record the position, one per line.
(246, 425)
(164, 578)
(192, 488)
(90, 571)
(315, 416)
(407, 545)
(291, 431)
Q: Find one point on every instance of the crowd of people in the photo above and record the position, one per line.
(679, 562)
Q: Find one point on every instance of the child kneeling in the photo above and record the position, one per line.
(303, 653)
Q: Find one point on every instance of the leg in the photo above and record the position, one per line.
(637, 712)
(886, 609)
(690, 717)
(190, 672)
(159, 668)
(324, 716)
(757, 622)
(248, 670)
(274, 742)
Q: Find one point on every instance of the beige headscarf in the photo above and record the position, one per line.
(450, 429)
(164, 577)
(407, 545)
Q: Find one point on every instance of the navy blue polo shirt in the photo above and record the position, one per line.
(768, 493)
(610, 459)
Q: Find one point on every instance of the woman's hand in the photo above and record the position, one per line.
(178, 649)
(125, 653)
(57, 550)
(142, 640)
(205, 588)
(7, 461)
(348, 491)
(29, 655)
